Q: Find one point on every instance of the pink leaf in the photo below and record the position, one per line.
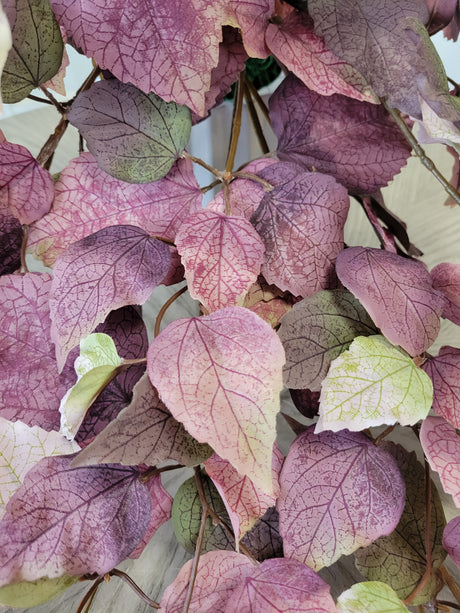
(72, 521)
(441, 445)
(446, 279)
(444, 371)
(251, 16)
(26, 189)
(282, 585)
(301, 223)
(222, 256)
(244, 502)
(396, 292)
(451, 539)
(88, 199)
(114, 267)
(57, 82)
(220, 375)
(339, 492)
(219, 572)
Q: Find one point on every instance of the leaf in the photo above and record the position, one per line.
(30, 385)
(11, 236)
(446, 279)
(114, 267)
(87, 200)
(316, 331)
(244, 502)
(222, 256)
(301, 223)
(339, 492)
(267, 301)
(26, 188)
(451, 539)
(144, 433)
(34, 593)
(396, 292)
(57, 83)
(304, 53)
(219, 572)
(37, 49)
(399, 559)
(306, 402)
(355, 142)
(281, 585)
(444, 372)
(134, 137)
(373, 383)
(71, 521)
(264, 540)
(370, 596)
(5, 46)
(441, 445)
(220, 375)
(21, 448)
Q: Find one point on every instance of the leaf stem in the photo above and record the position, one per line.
(228, 209)
(93, 75)
(236, 123)
(384, 434)
(23, 248)
(165, 307)
(48, 149)
(38, 99)
(60, 107)
(451, 584)
(133, 362)
(124, 577)
(88, 597)
(426, 161)
(154, 471)
(240, 174)
(259, 100)
(447, 603)
(217, 173)
(255, 118)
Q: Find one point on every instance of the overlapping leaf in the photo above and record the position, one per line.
(446, 279)
(316, 331)
(220, 375)
(355, 142)
(451, 539)
(338, 493)
(373, 383)
(444, 372)
(301, 223)
(34, 593)
(11, 235)
(72, 521)
(372, 597)
(114, 267)
(222, 256)
(269, 302)
(397, 293)
(5, 46)
(264, 540)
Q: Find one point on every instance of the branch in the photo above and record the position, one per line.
(236, 123)
(217, 173)
(165, 307)
(48, 149)
(255, 119)
(88, 597)
(259, 100)
(60, 107)
(127, 579)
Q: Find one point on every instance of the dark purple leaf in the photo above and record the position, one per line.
(11, 235)
(355, 142)
(446, 279)
(441, 14)
(306, 401)
(72, 521)
(444, 371)
(264, 540)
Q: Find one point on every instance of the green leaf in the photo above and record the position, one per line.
(373, 383)
(372, 597)
(36, 54)
(33, 593)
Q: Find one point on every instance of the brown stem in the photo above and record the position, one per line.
(255, 118)
(165, 307)
(38, 99)
(93, 75)
(24, 248)
(236, 123)
(60, 107)
(217, 173)
(228, 208)
(257, 97)
(384, 434)
(152, 472)
(88, 597)
(426, 161)
(127, 363)
(124, 577)
(211, 186)
(450, 605)
(451, 583)
(252, 177)
(49, 147)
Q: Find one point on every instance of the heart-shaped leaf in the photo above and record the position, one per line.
(444, 372)
(446, 279)
(372, 597)
(451, 539)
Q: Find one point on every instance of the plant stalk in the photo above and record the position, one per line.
(236, 124)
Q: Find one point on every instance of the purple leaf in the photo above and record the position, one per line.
(356, 142)
(446, 279)
(301, 223)
(114, 267)
(396, 292)
(441, 14)
(72, 521)
(26, 188)
(11, 235)
(451, 539)
(338, 493)
(444, 371)
(306, 402)
(88, 199)
(264, 540)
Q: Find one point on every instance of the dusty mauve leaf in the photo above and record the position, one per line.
(117, 266)
(372, 597)
(220, 375)
(446, 279)
(281, 585)
(441, 445)
(219, 572)
(87, 200)
(396, 292)
(444, 372)
(339, 492)
(316, 331)
(11, 235)
(222, 256)
(26, 189)
(356, 142)
(451, 539)
(301, 223)
(72, 521)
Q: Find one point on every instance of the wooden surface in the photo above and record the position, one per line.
(414, 195)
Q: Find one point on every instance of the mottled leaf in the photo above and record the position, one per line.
(114, 267)
(373, 383)
(11, 235)
(219, 573)
(6, 42)
(444, 372)
(316, 331)
(222, 256)
(338, 493)
(267, 301)
(396, 292)
(301, 223)
(34, 593)
(26, 189)
(264, 540)
(71, 521)
(446, 279)
(144, 433)
(134, 137)
(451, 539)
(87, 200)
(441, 445)
(399, 558)
(355, 142)
(372, 597)
(220, 375)
(57, 83)
(37, 49)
